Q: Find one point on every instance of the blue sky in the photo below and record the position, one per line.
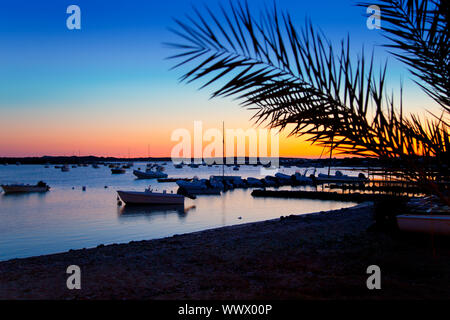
(113, 71)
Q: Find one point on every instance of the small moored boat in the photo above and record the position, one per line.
(340, 177)
(150, 174)
(427, 215)
(197, 187)
(25, 188)
(150, 197)
(117, 170)
(254, 183)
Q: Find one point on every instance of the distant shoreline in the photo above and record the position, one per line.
(312, 162)
(312, 256)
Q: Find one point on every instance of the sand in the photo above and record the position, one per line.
(315, 256)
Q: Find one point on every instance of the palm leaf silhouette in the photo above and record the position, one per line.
(297, 78)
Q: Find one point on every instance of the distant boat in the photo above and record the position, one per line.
(196, 187)
(236, 168)
(283, 178)
(117, 170)
(26, 188)
(178, 166)
(270, 181)
(65, 168)
(227, 182)
(194, 165)
(95, 166)
(149, 174)
(340, 177)
(302, 178)
(253, 182)
(150, 197)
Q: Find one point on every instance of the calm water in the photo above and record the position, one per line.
(66, 218)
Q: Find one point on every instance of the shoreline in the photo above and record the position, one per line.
(321, 255)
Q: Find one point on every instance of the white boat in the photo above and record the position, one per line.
(340, 177)
(253, 182)
(302, 178)
(25, 188)
(197, 187)
(425, 223)
(150, 197)
(270, 181)
(283, 178)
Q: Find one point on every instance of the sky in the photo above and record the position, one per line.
(107, 89)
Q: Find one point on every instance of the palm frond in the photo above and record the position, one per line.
(290, 77)
(418, 32)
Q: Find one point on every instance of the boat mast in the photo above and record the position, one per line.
(223, 150)
(331, 153)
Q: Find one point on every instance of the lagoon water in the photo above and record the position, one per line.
(68, 218)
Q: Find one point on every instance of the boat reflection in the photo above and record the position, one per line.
(154, 210)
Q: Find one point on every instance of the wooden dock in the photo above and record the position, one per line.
(323, 195)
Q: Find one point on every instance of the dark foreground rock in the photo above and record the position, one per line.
(317, 256)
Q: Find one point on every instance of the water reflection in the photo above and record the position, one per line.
(130, 211)
(65, 218)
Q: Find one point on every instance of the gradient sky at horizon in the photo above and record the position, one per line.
(107, 89)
